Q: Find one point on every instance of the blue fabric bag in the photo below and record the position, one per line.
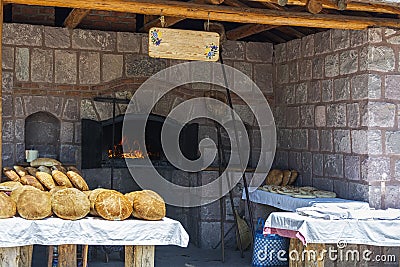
(269, 250)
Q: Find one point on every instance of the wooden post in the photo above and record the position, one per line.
(301, 256)
(67, 256)
(50, 256)
(16, 256)
(139, 256)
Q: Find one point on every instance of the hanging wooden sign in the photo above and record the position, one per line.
(183, 44)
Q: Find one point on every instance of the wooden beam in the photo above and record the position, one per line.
(75, 17)
(221, 13)
(314, 6)
(247, 30)
(234, 3)
(67, 256)
(354, 5)
(290, 32)
(169, 21)
(394, 3)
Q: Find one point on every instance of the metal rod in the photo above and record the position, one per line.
(113, 145)
(246, 189)
(222, 199)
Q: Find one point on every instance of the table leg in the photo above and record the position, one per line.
(16, 256)
(310, 256)
(67, 256)
(139, 256)
(50, 256)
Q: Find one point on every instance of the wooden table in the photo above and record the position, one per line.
(139, 238)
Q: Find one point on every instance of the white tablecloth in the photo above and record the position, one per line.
(368, 232)
(91, 231)
(289, 203)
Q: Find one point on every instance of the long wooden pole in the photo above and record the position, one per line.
(221, 13)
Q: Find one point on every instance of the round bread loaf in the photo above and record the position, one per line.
(57, 188)
(34, 205)
(30, 180)
(7, 206)
(274, 177)
(11, 174)
(70, 204)
(131, 196)
(46, 179)
(31, 170)
(148, 205)
(113, 206)
(44, 162)
(20, 170)
(77, 181)
(18, 191)
(61, 178)
(11, 185)
(92, 198)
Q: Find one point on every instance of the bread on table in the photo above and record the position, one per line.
(34, 205)
(148, 205)
(46, 179)
(92, 198)
(77, 181)
(18, 191)
(112, 205)
(286, 177)
(7, 206)
(274, 177)
(11, 174)
(44, 169)
(57, 188)
(31, 170)
(61, 178)
(11, 185)
(20, 171)
(293, 177)
(59, 168)
(44, 162)
(70, 204)
(30, 180)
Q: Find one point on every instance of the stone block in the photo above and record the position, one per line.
(374, 142)
(259, 52)
(69, 154)
(348, 62)
(301, 93)
(341, 89)
(307, 115)
(397, 169)
(320, 116)
(358, 38)
(129, 42)
(65, 67)
(22, 64)
(363, 64)
(333, 165)
(42, 65)
(293, 72)
(359, 191)
(284, 137)
(19, 107)
(336, 115)
(145, 45)
(22, 34)
(392, 199)
(112, 67)
(353, 115)
(295, 162)
(246, 68)
(341, 188)
(352, 167)
(8, 131)
(104, 110)
(93, 40)
(318, 66)
(8, 58)
(89, 68)
(306, 70)
(7, 105)
(375, 35)
(55, 106)
(314, 92)
(323, 183)
(263, 77)
(7, 82)
(282, 73)
(67, 132)
(381, 58)
(332, 65)
(313, 140)
(392, 141)
(341, 141)
(322, 42)
(377, 168)
(392, 87)
(143, 66)
(280, 54)
(307, 46)
(294, 49)
(381, 114)
(300, 139)
(78, 130)
(289, 94)
(326, 141)
(394, 40)
(8, 159)
(340, 39)
(57, 37)
(292, 117)
(71, 110)
(318, 164)
(327, 90)
(359, 140)
(19, 132)
(359, 86)
(233, 50)
(34, 104)
(281, 160)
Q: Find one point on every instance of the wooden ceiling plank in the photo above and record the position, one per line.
(291, 32)
(75, 17)
(220, 13)
(247, 30)
(235, 3)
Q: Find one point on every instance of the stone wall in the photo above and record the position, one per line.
(337, 112)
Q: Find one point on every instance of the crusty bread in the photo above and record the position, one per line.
(31, 170)
(286, 177)
(7, 206)
(44, 162)
(30, 180)
(92, 198)
(59, 168)
(61, 178)
(46, 179)
(11, 174)
(77, 181)
(70, 204)
(57, 188)
(148, 205)
(131, 196)
(44, 169)
(274, 177)
(293, 177)
(11, 185)
(112, 205)
(34, 205)
(18, 191)
(20, 170)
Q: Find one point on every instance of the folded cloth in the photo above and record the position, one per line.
(332, 213)
(353, 205)
(284, 233)
(389, 214)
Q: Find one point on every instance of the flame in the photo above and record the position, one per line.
(134, 152)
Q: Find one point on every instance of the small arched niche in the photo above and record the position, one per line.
(42, 133)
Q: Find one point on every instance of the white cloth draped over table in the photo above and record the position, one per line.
(91, 231)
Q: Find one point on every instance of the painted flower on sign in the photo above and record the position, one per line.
(211, 50)
(156, 37)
